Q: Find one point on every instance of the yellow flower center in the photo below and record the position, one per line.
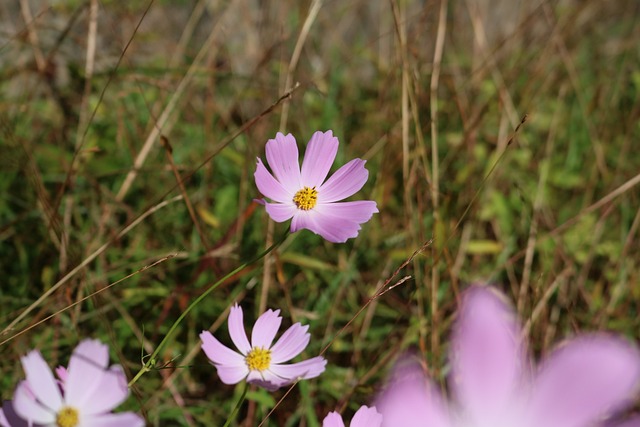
(258, 359)
(306, 198)
(67, 417)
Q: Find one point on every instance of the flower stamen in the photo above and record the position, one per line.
(258, 359)
(67, 417)
(306, 198)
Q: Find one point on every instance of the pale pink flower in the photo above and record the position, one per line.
(493, 383)
(260, 362)
(364, 417)
(85, 398)
(304, 196)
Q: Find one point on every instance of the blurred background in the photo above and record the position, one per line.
(106, 106)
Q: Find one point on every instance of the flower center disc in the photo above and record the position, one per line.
(67, 417)
(258, 359)
(306, 198)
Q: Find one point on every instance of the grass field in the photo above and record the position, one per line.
(129, 133)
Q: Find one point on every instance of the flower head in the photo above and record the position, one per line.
(260, 362)
(304, 196)
(364, 417)
(581, 383)
(84, 398)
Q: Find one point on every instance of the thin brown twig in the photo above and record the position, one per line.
(112, 75)
(81, 300)
(185, 196)
(84, 263)
(435, 172)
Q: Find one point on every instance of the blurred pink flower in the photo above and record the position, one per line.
(493, 384)
(304, 195)
(364, 417)
(84, 398)
(260, 362)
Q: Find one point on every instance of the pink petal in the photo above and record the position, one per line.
(266, 380)
(9, 417)
(265, 329)
(26, 407)
(269, 186)
(231, 366)
(282, 156)
(86, 370)
(123, 419)
(236, 330)
(310, 368)
(359, 211)
(634, 422)
(62, 374)
(330, 227)
(218, 353)
(41, 380)
(585, 380)
(345, 182)
(487, 356)
(410, 400)
(111, 392)
(280, 212)
(290, 344)
(318, 158)
(333, 419)
(232, 374)
(366, 417)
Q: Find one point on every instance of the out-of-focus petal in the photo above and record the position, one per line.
(41, 381)
(280, 212)
(487, 356)
(123, 419)
(366, 417)
(410, 400)
(219, 353)
(269, 186)
(87, 367)
(236, 330)
(584, 380)
(282, 156)
(345, 182)
(290, 344)
(28, 408)
(633, 422)
(112, 391)
(265, 329)
(333, 419)
(306, 369)
(318, 158)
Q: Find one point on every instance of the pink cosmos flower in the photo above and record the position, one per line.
(260, 362)
(304, 195)
(365, 417)
(84, 398)
(493, 384)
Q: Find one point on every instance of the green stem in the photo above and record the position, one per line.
(152, 358)
(234, 413)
